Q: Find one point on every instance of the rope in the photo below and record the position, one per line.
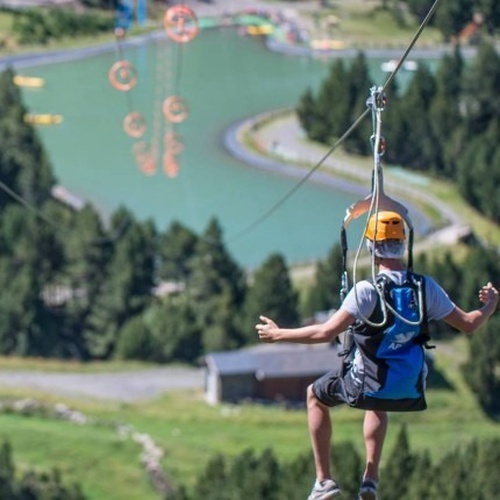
(346, 134)
(377, 104)
(288, 195)
(40, 215)
(295, 188)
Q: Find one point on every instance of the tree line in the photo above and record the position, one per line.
(467, 472)
(40, 26)
(78, 288)
(445, 124)
(32, 485)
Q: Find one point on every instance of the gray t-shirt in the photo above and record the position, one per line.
(437, 302)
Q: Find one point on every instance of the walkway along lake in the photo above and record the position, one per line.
(224, 78)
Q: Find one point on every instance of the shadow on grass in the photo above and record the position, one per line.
(435, 378)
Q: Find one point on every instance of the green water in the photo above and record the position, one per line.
(224, 78)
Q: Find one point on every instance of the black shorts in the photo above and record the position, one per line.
(342, 385)
(336, 387)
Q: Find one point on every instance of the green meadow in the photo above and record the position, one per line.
(190, 432)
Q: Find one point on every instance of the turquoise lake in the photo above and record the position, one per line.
(224, 78)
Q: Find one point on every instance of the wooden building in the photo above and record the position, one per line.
(266, 372)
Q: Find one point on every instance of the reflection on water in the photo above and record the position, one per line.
(223, 77)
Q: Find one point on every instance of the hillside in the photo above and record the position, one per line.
(99, 435)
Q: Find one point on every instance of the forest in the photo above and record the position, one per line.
(444, 124)
(80, 290)
(467, 473)
(77, 287)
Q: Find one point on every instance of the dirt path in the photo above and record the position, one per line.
(281, 144)
(120, 386)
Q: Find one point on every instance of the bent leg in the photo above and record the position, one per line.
(374, 431)
(320, 431)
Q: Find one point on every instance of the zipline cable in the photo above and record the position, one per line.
(65, 230)
(348, 132)
(302, 181)
(295, 188)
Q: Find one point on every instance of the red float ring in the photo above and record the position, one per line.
(173, 143)
(181, 24)
(134, 125)
(144, 158)
(175, 109)
(123, 76)
(120, 32)
(170, 166)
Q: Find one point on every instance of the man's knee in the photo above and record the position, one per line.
(310, 393)
(312, 400)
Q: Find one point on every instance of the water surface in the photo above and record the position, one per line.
(224, 78)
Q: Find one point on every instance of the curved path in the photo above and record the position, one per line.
(281, 143)
(284, 140)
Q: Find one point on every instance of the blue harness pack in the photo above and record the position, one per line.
(388, 371)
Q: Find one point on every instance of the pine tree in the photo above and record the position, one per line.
(175, 334)
(175, 249)
(359, 82)
(87, 250)
(483, 472)
(306, 112)
(481, 370)
(24, 165)
(332, 106)
(347, 467)
(446, 117)
(127, 287)
(216, 288)
(477, 180)
(212, 483)
(398, 468)
(7, 472)
(271, 294)
(490, 10)
(452, 16)
(418, 487)
(481, 90)
(249, 479)
(297, 478)
(450, 479)
(324, 294)
(420, 149)
(27, 260)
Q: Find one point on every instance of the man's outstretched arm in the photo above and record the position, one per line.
(471, 321)
(269, 331)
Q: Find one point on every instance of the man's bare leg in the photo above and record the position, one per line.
(374, 431)
(320, 430)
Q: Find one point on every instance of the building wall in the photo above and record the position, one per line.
(212, 387)
(234, 388)
(292, 389)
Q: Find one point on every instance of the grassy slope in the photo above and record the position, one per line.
(190, 432)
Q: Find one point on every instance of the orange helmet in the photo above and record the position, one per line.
(385, 226)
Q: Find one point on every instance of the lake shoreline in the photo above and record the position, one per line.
(277, 133)
(231, 138)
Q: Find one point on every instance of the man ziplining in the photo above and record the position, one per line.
(387, 372)
(386, 319)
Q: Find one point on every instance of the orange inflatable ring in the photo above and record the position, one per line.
(173, 143)
(181, 24)
(123, 76)
(175, 109)
(134, 125)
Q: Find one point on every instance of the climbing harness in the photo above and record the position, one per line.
(377, 201)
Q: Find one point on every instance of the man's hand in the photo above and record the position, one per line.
(488, 294)
(266, 329)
